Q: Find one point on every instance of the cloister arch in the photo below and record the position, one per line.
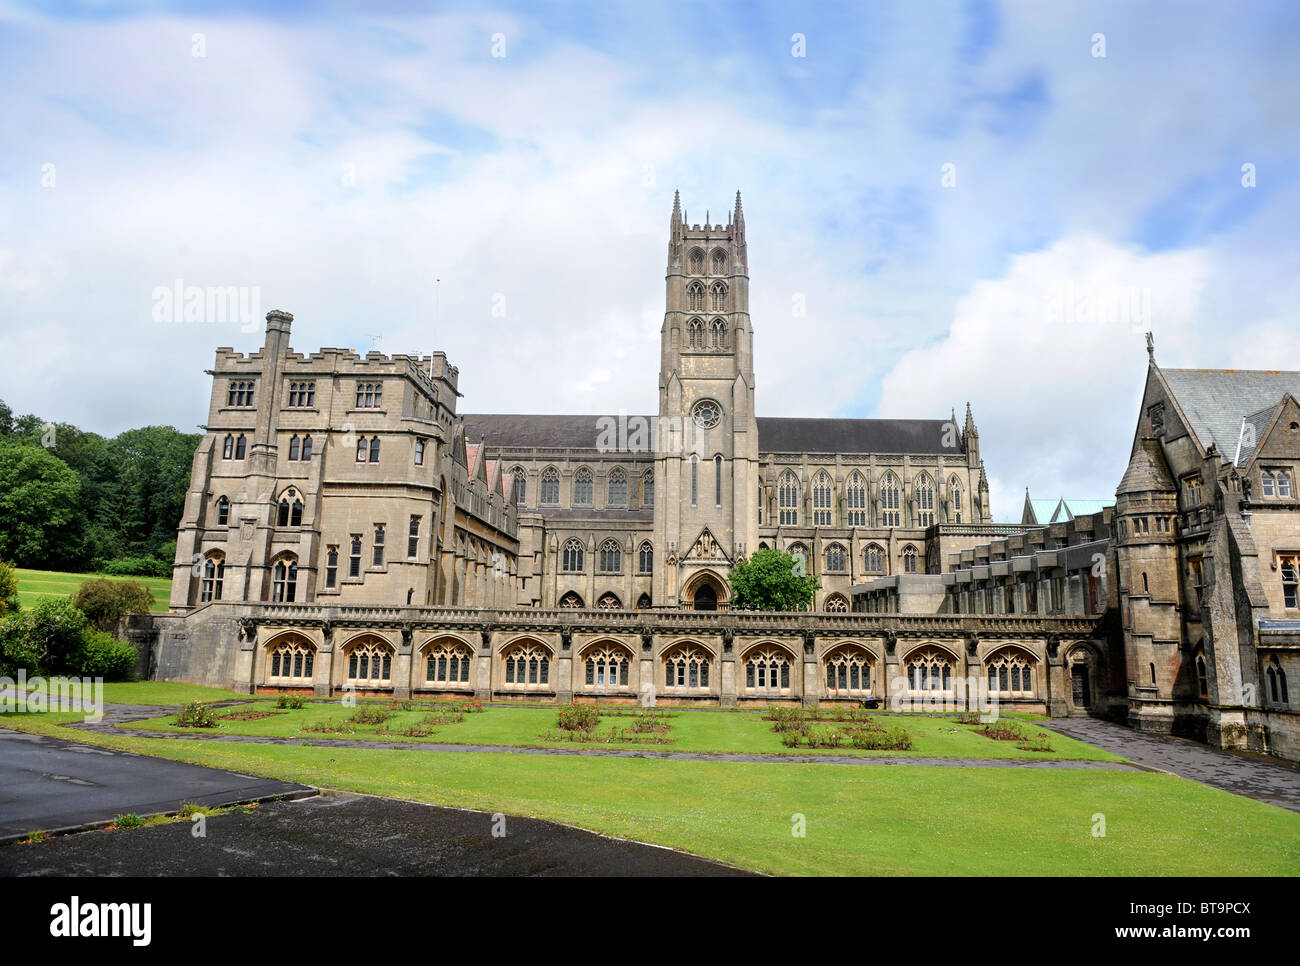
(705, 591)
(605, 667)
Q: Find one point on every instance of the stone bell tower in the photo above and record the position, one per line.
(706, 474)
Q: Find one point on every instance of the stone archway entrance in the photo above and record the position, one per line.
(1083, 676)
(705, 592)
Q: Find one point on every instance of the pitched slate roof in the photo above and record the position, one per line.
(1216, 400)
(775, 434)
(1147, 470)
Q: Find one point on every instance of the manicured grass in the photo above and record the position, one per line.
(163, 693)
(36, 585)
(719, 731)
(859, 820)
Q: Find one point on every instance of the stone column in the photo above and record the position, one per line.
(323, 678)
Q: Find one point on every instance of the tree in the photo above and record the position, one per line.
(40, 506)
(8, 589)
(153, 475)
(105, 601)
(48, 636)
(771, 580)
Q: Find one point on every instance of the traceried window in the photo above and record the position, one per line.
(354, 557)
(223, 512)
(788, 499)
(646, 558)
(909, 559)
(214, 575)
(1276, 678)
(925, 501)
(617, 487)
(836, 604)
(719, 261)
(873, 559)
(571, 557)
(707, 414)
(1011, 674)
(695, 297)
(718, 334)
(582, 487)
(606, 667)
(291, 662)
(855, 500)
(719, 296)
(848, 671)
(695, 334)
(800, 552)
(696, 261)
(290, 510)
(550, 487)
(1289, 567)
(527, 666)
(767, 670)
(284, 580)
(822, 496)
(447, 663)
(836, 559)
(370, 395)
(571, 601)
(648, 488)
(929, 670)
(370, 663)
(611, 557)
(302, 394)
(240, 394)
(686, 668)
(609, 601)
(520, 484)
(954, 491)
(890, 516)
(332, 568)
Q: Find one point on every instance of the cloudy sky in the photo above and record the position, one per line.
(972, 203)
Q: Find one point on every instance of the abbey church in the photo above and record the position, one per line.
(347, 528)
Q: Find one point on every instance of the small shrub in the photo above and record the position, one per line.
(196, 714)
(790, 739)
(819, 737)
(329, 727)
(1040, 742)
(103, 656)
(137, 567)
(289, 702)
(190, 809)
(876, 739)
(248, 715)
(371, 714)
(578, 717)
(36, 835)
(416, 729)
(128, 820)
(967, 718)
(1004, 731)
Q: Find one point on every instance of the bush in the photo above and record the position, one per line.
(578, 717)
(8, 589)
(1003, 731)
(293, 702)
(876, 738)
(128, 820)
(196, 714)
(370, 715)
(104, 656)
(50, 635)
(136, 567)
(17, 647)
(105, 601)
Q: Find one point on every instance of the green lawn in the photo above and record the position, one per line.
(163, 693)
(36, 585)
(720, 731)
(859, 820)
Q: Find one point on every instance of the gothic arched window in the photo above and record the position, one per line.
(214, 574)
(719, 332)
(571, 560)
(370, 662)
(788, 498)
(447, 662)
(571, 601)
(582, 487)
(648, 488)
(822, 495)
(835, 559)
(1010, 673)
(954, 489)
(617, 487)
(909, 559)
(836, 604)
(611, 557)
(719, 261)
(609, 601)
(848, 669)
(291, 661)
(290, 510)
(767, 669)
(374, 449)
(925, 501)
(695, 334)
(696, 261)
(695, 297)
(929, 670)
(719, 296)
(646, 558)
(527, 665)
(686, 667)
(873, 559)
(520, 483)
(889, 514)
(855, 499)
(284, 585)
(223, 512)
(606, 666)
(550, 488)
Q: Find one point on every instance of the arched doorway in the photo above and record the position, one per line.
(705, 592)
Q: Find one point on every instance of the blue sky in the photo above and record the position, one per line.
(340, 162)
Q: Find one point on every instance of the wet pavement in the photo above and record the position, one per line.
(347, 835)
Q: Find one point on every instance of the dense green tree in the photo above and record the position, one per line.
(772, 580)
(8, 589)
(153, 475)
(104, 602)
(40, 506)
